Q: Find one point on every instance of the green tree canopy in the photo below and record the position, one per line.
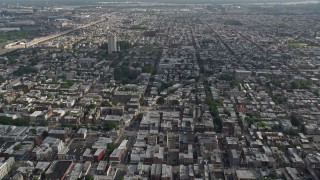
(33, 131)
(124, 45)
(160, 101)
(22, 70)
(301, 84)
(148, 69)
(105, 104)
(2, 79)
(89, 177)
(16, 122)
(109, 126)
(125, 74)
(45, 134)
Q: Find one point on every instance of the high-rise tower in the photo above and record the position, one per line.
(112, 43)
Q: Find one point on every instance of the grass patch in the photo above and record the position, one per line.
(139, 27)
(67, 84)
(5, 37)
(297, 44)
(150, 48)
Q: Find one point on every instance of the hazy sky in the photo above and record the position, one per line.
(82, 2)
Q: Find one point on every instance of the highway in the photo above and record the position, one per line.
(51, 36)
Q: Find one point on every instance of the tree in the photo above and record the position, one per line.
(120, 113)
(250, 115)
(249, 120)
(165, 86)
(279, 98)
(22, 70)
(213, 108)
(89, 177)
(218, 124)
(295, 85)
(33, 131)
(141, 101)
(124, 45)
(295, 120)
(240, 122)
(49, 95)
(16, 122)
(292, 132)
(67, 84)
(190, 113)
(301, 84)
(32, 110)
(226, 77)
(12, 61)
(45, 134)
(106, 104)
(125, 74)
(160, 101)
(175, 102)
(147, 69)
(109, 126)
(104, 46)
(227, 112)
(110, 147)
(91, 106)
(261, 124)
(17, 147)
(2, 79)
(139, 117)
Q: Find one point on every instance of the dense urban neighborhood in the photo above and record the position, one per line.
(160, 91)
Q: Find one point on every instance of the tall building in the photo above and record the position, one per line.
(112, 43)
